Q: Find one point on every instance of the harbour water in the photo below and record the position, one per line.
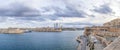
(40, 41)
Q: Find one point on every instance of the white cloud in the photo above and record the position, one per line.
(49, 8)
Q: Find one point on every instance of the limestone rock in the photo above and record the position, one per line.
(115, 45)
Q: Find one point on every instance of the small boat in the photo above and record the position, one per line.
(27, 31)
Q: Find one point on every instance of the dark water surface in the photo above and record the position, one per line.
(40, 41)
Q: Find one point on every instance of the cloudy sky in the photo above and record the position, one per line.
(70, 13)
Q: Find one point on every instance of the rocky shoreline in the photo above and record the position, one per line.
(104, 37)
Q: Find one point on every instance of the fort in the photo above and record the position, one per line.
(37, 29)
(104, 37)
(25, 30)
(11, 30)
(57, 28)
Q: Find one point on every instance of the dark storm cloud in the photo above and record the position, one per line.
(23, 10)
(18, 10)
(30, 18)
(104, 9)
(92, 15)
(67, 11)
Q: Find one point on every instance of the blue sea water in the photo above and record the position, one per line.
(40, 41)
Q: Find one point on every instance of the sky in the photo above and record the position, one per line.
(69, 13)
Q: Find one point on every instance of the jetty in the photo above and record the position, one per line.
(106, 37)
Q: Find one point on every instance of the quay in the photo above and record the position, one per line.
(57, 28)
(38, 29)
(44, 29)
(25, 30)
(106, 37)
